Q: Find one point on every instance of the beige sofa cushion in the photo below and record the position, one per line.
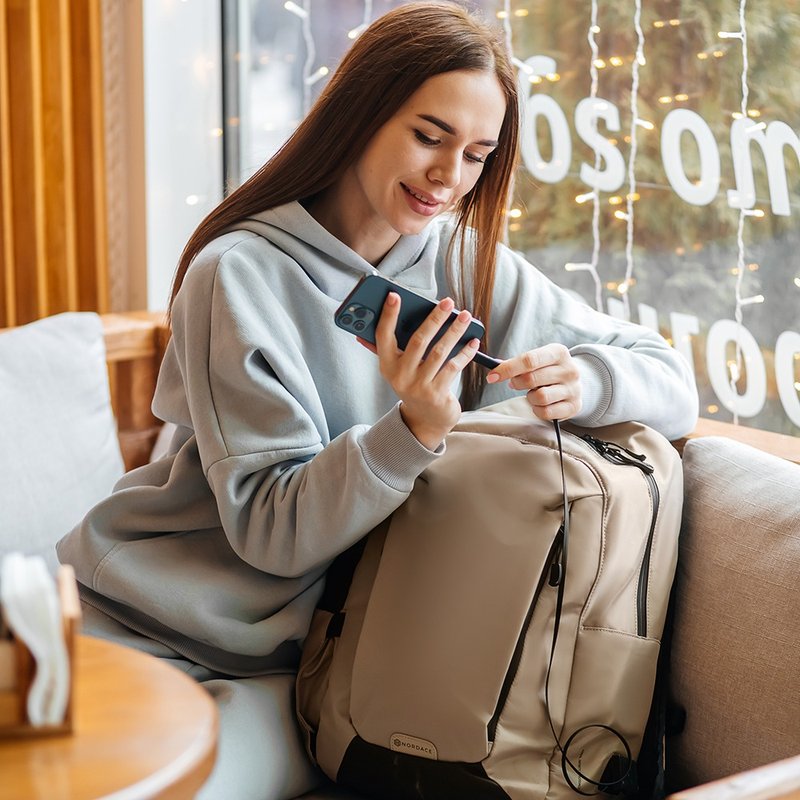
(59, 452)
(736, 648)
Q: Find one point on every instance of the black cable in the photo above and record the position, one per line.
(562, 574)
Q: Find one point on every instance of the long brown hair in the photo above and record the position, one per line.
(388, 62)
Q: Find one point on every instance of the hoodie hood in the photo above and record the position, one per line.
(332, 265)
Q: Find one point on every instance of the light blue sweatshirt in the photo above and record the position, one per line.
(289, 444)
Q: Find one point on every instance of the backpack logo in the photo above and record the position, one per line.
(401, 743)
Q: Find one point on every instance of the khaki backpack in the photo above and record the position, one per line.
(474, 645)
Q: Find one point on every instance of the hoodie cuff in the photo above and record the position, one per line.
(596, 389)
(394, 454)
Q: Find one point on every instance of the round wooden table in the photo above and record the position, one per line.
(142, 729)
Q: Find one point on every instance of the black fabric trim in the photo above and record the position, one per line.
(336, 625)
(339, 577)
(620, 777)
(383, 774)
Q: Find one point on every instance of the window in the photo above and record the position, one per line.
(684, 219)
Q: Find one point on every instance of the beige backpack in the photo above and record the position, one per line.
(459, 653)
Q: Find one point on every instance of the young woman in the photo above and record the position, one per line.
(293, 438)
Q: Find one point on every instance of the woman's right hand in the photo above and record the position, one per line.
(424, 385)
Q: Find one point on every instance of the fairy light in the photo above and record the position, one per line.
(296, 9)
(367, 18)
(316, 76)
(735, 366)
(591, 267)
(507, 24)
(309, 78)
(638, 61)
(532, 73)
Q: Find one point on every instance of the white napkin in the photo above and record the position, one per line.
(31, 608)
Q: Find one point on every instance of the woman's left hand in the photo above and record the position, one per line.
(551, 378)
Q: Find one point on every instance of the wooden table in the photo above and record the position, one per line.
(142, 729)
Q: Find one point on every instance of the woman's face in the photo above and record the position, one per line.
(422, 161)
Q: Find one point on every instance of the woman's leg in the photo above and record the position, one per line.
(260, 755)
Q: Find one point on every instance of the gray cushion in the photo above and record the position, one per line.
(59, 452)
(736, 653)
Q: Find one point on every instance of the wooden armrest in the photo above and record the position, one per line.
(135, 343)
(778, 444)
(778, 781)
(135, 334)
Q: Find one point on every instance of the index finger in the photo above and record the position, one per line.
(387, 321)
(527, 362)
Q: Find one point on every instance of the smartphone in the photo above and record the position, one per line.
(360, 310)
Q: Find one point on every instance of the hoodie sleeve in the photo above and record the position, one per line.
(628, 372)
(289, 499)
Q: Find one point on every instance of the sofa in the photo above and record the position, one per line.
(75, 392)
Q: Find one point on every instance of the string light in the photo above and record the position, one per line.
(311, 55)
(530, 71)
(367, 18)
(735, 367)
(316, 76)
(295, 9)
(591, 267)
(638, 61)
(507, 24)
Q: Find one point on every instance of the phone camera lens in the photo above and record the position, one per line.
(346, 319)
(361, 312)
(359, 325)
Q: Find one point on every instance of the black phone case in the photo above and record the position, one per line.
(359, 313)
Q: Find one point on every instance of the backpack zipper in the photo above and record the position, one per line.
(616, 454)
(552, 575)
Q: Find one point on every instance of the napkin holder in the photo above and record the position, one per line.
(17, 667)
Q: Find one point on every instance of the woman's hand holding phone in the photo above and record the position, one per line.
(424, 383)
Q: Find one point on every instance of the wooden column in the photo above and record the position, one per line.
(53, 230)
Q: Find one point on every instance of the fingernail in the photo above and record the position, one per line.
(492, 377)
(392, 298)
(474, 344)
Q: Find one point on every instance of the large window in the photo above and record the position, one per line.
(659, 179)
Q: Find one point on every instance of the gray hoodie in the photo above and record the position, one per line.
(289, 444)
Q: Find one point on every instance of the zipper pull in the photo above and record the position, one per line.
(618, 454)
(556, 561)
(601, 447)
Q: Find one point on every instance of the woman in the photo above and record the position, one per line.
(293, 440)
